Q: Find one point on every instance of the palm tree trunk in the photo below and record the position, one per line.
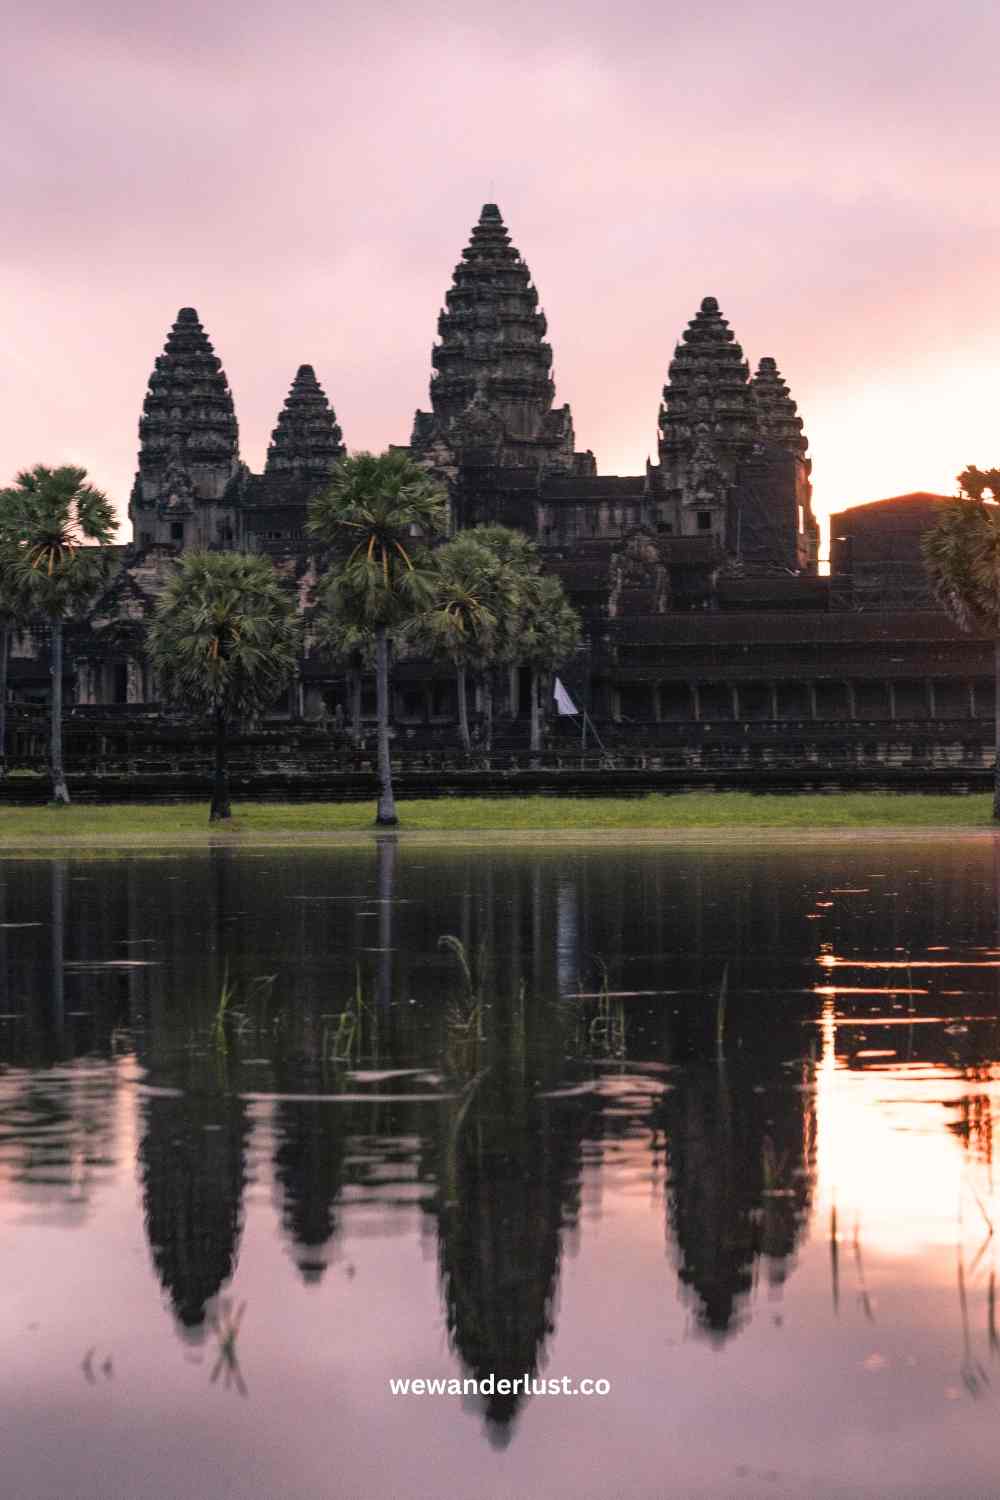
(463, 708)
(488, 710)
(544, 701)
(385, 817)
(220, 786)
(355, 691)
(5, 633)
(60, 794)
(536, 718)
(996, 730)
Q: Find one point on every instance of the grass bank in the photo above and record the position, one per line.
(720, 811)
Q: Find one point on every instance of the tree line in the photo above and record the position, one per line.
(227, 634)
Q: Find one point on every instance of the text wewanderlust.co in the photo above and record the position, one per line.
(491, 1385)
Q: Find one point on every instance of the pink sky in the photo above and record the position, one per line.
(306, 175)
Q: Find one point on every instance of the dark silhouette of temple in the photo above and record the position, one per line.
(732, 479)
(708, 625)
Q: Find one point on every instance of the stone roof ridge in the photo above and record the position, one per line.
(307, 442)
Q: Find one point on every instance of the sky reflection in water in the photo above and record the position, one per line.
(716, 1126)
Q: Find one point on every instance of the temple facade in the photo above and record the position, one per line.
(731, 487)
(697, 580)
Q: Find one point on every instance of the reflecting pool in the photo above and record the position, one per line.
(713, 1127)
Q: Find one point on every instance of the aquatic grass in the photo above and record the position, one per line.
(601, 1030)
(356, 1032)
(464, 1016)
(227, 993)
(228, 1020)
(226, 1329)
(22, 827)
(720, 1015)
(450, 1174)
(864, 1296)
(777, 1170)
(974, 1375)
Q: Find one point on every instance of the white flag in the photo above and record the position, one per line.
(564, 703)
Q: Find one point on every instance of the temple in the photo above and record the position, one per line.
(708, 625)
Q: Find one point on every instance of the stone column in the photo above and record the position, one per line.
(852, 702)
(813, 714)
(657, 704)
(972, 698)
(773, 688)
(133, 681)
(83, 681)
(514, 688)
(892, 699)
(696, 702)
(734, 694)
(931, 699)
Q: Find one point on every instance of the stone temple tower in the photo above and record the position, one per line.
(733, 465)
(306, 443)
(185, 491)
(780, 471)
(708, 424)
(492, 390)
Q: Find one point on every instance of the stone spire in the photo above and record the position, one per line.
(791, 530)
(188, 438)
(708, 426)
(707, 397)
(778, 414)
(306, 443)
(492, 390)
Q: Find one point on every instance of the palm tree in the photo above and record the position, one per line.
(62, 528)
(962, 555)
(548, 634)
(224, 640)
(515, 562)
(347, 645)
(463, 621)
(15, 607)
(377, 515)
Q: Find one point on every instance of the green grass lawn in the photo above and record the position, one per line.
(720, 811)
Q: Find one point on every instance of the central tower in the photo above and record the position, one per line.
(492, 390)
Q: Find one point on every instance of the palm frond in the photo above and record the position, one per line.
(225, 634)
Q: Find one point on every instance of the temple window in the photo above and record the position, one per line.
(704, 520)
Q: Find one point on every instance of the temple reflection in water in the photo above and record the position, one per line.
(760, 1053)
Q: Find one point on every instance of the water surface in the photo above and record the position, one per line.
(715, 1126)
